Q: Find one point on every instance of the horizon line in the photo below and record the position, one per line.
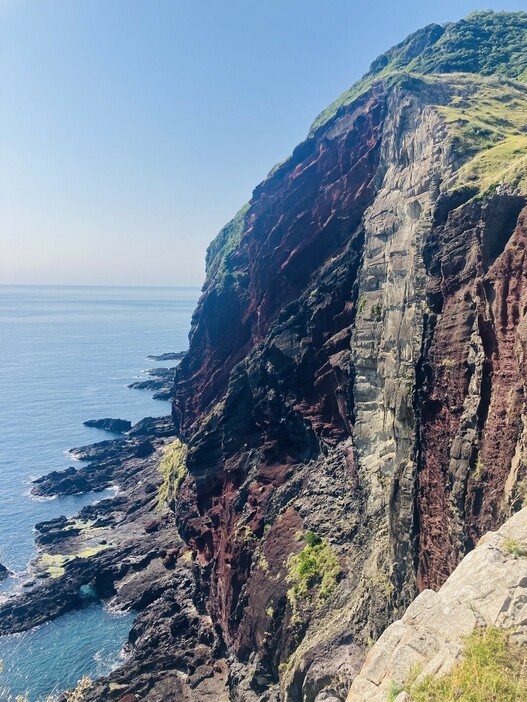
(96, 285)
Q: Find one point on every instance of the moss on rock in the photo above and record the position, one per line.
(173, 467)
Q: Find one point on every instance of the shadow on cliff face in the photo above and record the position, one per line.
(470, 399)
(355, 371)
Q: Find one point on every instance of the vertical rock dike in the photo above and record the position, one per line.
(353, 399)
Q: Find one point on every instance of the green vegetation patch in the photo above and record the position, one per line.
(486, 43)
(377, 311)
(55, 564)
(173, 466)
(488, 122)
(315, 568)
(492, 669)
(221, 248)
(515, 548)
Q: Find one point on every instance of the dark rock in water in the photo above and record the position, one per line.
(53, 536)
(117, 426)
(51, 525)
(114, 449)
(161, 380)
(65, 482)
(107, 457)
(170, 356)
(4, 572)
(154, 426)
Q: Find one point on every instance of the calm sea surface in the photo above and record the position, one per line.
(66, 355)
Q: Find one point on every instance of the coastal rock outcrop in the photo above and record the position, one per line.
(487, 589)
(117, 426)
(356, 367)
(161, 380)
(107, 461)
(169, 356)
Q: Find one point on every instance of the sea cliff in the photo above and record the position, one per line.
(350, 417)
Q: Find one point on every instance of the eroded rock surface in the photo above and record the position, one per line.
(356, 369)
(487, 589)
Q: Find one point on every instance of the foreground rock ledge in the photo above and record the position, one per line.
(488, 588)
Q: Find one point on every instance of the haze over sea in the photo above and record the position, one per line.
(67, 355)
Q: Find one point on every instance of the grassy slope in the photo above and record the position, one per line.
(486, 43)
(492, 669)
(487, 119)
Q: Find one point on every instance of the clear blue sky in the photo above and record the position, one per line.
(132, 130)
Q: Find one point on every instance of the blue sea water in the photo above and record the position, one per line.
(67, 355)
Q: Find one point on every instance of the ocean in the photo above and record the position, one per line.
(67, 355)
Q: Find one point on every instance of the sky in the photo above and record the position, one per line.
(131, 131)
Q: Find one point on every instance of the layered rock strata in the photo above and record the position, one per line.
(356, 369)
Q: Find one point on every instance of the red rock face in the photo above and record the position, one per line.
(472, 398)
(265, 400)
(290, 337)
(298, 219)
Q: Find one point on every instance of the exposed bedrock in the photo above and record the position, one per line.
(117, 426)
(471, 394)
(302, 215)
(487, 589)
(355, 371)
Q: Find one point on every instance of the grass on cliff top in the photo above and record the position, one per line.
(492, 669)
(485, 43)
(173, 467)
(222, 246)
(488, 122)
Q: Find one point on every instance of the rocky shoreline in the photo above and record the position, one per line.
(161, 381)
(124, 551)
(170, 356)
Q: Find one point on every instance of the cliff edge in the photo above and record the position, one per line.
(351, 415)
(488, 589)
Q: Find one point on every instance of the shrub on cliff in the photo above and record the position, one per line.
(316, 567)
